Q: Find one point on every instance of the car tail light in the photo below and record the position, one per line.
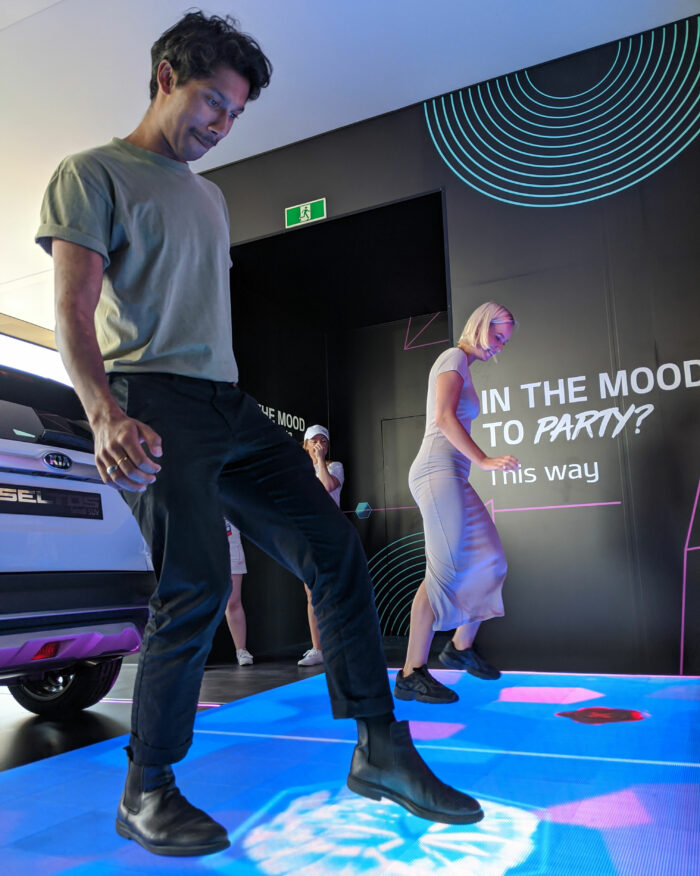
(50, 649)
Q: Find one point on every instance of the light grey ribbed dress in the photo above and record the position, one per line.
(465, 562)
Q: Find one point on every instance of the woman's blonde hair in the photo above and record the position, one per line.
(476, 330)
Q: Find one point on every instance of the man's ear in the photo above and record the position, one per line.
(166, 76)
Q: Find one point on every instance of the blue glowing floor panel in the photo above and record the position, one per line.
(578, 776)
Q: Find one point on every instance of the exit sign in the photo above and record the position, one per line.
(303, 213)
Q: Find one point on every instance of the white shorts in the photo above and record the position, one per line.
(235, 549)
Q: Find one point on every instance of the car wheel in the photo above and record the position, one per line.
(64, 692)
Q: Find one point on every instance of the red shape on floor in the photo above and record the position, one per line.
(601, 715)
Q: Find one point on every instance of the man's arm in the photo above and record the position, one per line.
(118, 438)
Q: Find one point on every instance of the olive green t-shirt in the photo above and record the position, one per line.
(163, 235)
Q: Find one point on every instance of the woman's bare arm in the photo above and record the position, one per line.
(448, 388)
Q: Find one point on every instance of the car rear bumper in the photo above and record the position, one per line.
(89, 615)
(22, 592)
(18, 652)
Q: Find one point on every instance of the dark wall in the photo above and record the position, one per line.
(378, 407)
(285, 355)
(573, 201)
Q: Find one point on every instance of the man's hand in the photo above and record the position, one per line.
(119, 454)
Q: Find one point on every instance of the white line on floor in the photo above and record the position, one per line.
(463, 749)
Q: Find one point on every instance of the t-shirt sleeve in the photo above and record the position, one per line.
(77, 207)
(453, 360)
(336, 469)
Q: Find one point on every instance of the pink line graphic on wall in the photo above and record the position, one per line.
(367, 509)
(411, 344)
(491, 508)
(686, 550)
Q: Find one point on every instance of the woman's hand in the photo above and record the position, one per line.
(499, 463)
(319, 449)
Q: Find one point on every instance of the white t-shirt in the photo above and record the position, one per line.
(336, 470)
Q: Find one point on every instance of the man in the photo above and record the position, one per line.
(141, 252)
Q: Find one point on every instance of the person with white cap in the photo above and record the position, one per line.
(331, 475)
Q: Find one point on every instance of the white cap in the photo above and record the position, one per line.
(316, 430)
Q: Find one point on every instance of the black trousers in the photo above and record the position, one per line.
(222, 455)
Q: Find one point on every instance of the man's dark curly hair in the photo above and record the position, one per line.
(196, 45)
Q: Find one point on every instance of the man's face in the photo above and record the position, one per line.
(195, 116)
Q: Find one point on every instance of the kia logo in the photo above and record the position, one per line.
(58, 460)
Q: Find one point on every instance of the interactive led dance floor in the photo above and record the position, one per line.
(578, 776)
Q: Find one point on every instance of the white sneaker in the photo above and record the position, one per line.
(245, 658)
(312, 657)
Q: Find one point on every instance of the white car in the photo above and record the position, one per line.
(75, 573)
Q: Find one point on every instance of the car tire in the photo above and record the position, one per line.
(65, 692)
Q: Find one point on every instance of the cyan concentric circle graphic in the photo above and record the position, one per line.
(515, 143)
(397, 571)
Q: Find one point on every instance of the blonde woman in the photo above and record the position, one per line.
(331, 475)
(465, 562)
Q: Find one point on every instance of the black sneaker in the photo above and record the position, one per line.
(468, 660)
(420, 685)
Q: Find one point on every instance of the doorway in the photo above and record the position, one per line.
(338, 323)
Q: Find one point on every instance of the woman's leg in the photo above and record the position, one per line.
(313, 624)
(460, 654)
(464, 635)
(420, 634)
(414, 682)
(235, 616)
